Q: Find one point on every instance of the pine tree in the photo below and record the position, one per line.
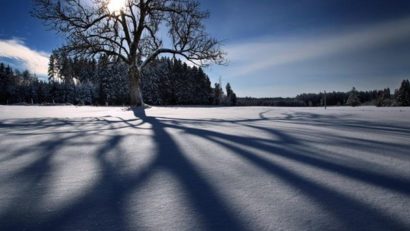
(353, 99)
(403, 95)
(51, 67)
(3, 84)
(383, 98)
(151, 81)
(230, 95)
(218, 94)
(11, 85)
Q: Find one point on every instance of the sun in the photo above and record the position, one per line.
(116, 5)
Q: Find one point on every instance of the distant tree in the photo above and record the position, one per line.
(132, 34)
(13, 83)
(231, 96)
(3, 84)
(353, 99)
(228, 89)
(203, 87)
(403, 94)
(384, 98)
(218, 94)
(51, 67)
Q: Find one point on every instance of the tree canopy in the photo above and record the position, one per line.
(134, 34)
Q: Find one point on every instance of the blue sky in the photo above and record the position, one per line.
(275, 47)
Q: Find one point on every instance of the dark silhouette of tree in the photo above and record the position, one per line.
(353, 99)
(51, 67)
(403, 94)
(172, 82)
(218, 94)
(4, 82)
(384, 98)
(132, 34)
(231, 96)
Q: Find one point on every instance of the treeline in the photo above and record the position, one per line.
(172, 82)
(400, 97)
(351, 98)
(17, 87)
(84, 81)
(165, 81)
(277, 102)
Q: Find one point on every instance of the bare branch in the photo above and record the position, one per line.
(134, 33)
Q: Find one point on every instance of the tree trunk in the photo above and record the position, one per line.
(134, 77)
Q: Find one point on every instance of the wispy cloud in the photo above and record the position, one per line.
(34, 61)
(261, 54)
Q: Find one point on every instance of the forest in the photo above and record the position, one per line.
(81, 81)
(165, 81)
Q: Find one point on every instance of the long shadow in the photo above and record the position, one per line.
(213, 211)
(308, 118)
(352, 213)
(109, 194)
(21, 214)
(102, 206)
(302, 153)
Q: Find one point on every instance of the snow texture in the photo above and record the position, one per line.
(204, 168)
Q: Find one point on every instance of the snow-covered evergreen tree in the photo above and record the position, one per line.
(353, 99)
(152, 76)
(113, 87)
(230, 95)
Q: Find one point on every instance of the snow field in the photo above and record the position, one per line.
(204, 168)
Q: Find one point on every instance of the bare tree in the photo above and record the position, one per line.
(136, 33)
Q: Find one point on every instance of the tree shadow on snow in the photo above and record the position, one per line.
(102, 206)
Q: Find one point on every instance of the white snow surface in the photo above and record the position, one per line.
(204, 168)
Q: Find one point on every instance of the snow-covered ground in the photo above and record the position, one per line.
(193, 168)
